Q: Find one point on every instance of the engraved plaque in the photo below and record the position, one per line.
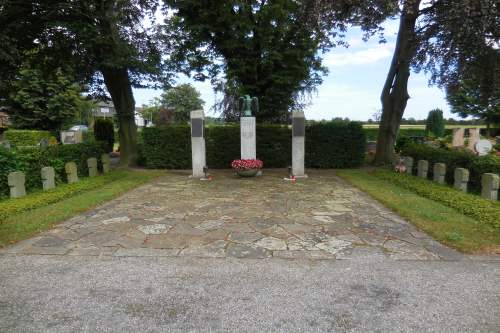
(197, 128)
(298, 126)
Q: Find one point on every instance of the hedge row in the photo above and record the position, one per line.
(21, 138)
(484, 211)
(477, 165)
(31, 160)
(328, 145)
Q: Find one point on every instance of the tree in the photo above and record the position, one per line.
(435, 123)
(435, 36)
(182, 99)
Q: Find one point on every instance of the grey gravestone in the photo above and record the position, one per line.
(48, 176)
(92, 165)
(461, 178)
(71, 172)
(483, 147)
(408, 162)
(439, 172)
(106, 163)
(5, 144)
(44, 142)
(423, 168)
(489, 186)
(298, 144)
(16, 182)
(198, 150)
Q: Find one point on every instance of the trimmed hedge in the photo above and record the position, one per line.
(20, 138)
(372, 133)
(477, 165)
(484, 211)
(104, 131)
(328, 145)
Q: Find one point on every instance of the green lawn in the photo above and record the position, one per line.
(26, 218)
(443, 223)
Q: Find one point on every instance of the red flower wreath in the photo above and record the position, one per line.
(246, 164)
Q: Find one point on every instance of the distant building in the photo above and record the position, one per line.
(107, 110)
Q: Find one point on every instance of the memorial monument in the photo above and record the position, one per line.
(247, 105)
(198, 152)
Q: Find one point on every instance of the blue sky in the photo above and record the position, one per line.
(352, 87)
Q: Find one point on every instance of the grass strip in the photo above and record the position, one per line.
(443, 223)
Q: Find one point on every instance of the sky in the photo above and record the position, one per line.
(353, 85)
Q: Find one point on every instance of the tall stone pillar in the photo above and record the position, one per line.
(198, 143)
(298, 143)
(248, 138)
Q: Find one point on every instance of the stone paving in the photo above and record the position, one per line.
(321, 217)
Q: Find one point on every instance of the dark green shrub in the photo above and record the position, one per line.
(477, 165)
(8, 163)
(104, 131)
(435, 123)
(166, 148)
(20, 138)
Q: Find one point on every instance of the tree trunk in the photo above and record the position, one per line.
(119, 87)
(394, 95)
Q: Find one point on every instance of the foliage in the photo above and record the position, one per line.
(329, 145)
(182, 99)
(484, 211)
(104, 131)
(20, 138)
(435, 123)
(477, 165)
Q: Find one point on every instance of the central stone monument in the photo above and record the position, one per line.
(198, 143)
(298, 144)
(247, 105)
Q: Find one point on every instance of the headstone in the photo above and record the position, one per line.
(439, 172)
(71, 172)
(92, 165)
(5, 144)
(483, 147)
(408, 162)
(16, 182)
(48, 176)
(198, 149)
(473, 138)
(461, 178)
(248, 138)
(489, 186)
(44, 142)
(423, 168)
(71, 137)
(106, 163)
(458, 138)
(298, 144)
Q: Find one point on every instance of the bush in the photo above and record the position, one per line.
(104, 131)
(328, 145)
(484, 211)
(20, 138)
(8, 163)
(477, 165)
(435, 123)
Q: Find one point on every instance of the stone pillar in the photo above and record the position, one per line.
(298, 144)
(458, 138)
(473, 138)
(439, 172)
(423, 168)
(106, 163)
(408, 162)
(48, 176)
(71, 172)
(489, 186)
(92, 165)
(16, 182)
(198, 143)
(248, 138)
(461, 178)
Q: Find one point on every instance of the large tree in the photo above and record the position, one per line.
(183, 99)
(436, 36)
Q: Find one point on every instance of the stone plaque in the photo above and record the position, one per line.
(248, 138)
(483, 147)
(197, 128)
(299, 126)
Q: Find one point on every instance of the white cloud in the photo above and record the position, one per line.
(361, 57)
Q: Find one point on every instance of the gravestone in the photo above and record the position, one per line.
(298, 144)
(458, 138)
(44, 142)
(483, 147)
(198, 150)
(5, 144)
(48, 176)
(92, 165)
(439, 172)
(71, 137)
(71, 172)
(106, 163)
(408, 162)
(461, 178)
(473, 138)
(247, 127)
(422, 168)
(16, 182)
(489, 186)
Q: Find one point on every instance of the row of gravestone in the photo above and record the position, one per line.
(16, 180)
(489, 181)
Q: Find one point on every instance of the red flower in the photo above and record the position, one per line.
(247, 164)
